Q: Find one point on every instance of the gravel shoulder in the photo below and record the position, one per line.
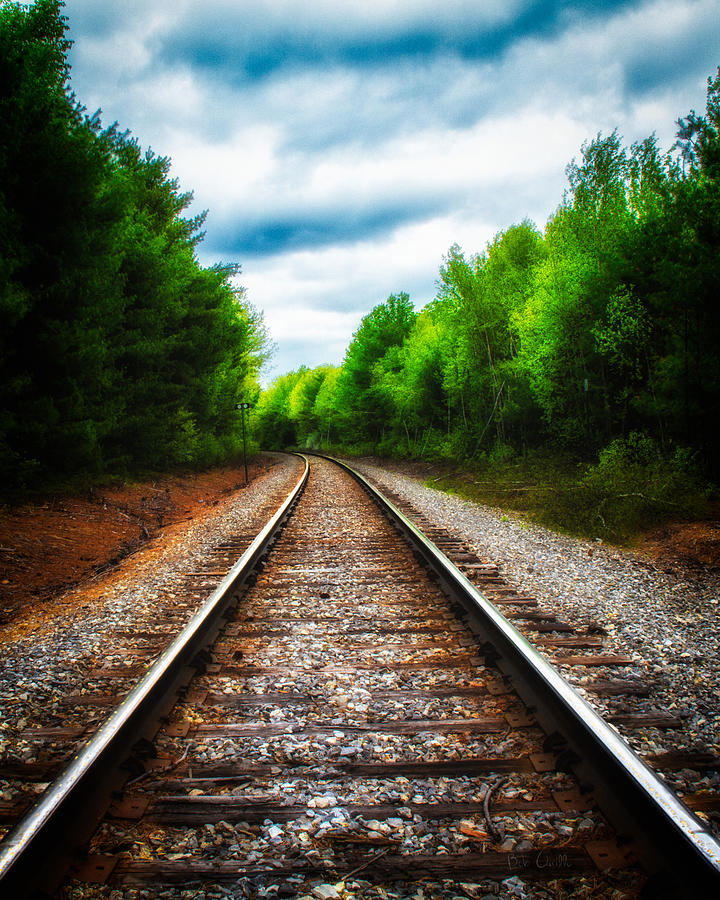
(49, 652)
(667, 621)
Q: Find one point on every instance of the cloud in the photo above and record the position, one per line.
(344, 196)
(342, 147)
(308, 336)
(556, 55)
(257, 40)
(673, 46)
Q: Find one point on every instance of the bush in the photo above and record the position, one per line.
(500, 454)
(630, 490)
(633, 487)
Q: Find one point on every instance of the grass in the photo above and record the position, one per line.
(619, 499)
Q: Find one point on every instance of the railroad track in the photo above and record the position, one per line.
(362, 716)
(617, 684)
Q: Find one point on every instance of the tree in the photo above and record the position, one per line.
(681, 253)
(301, 403)
(325, 408)
(118, 351)
(59, 296)
(361, 407)
(477, 302)
(273, 427)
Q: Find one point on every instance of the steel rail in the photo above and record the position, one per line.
(35, 854)
(681, 856)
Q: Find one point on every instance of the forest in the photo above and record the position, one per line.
(595, 339)
(119, 352)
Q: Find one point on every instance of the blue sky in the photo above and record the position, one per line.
(342, 146)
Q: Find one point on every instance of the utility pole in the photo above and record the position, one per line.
(242, 406)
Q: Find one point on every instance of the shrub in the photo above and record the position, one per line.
(633, 487)
(500, 454)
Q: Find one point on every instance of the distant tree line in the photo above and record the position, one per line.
(603, 328)
(118, 351)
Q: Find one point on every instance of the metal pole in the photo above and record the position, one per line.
(242, 410)
(242, 406)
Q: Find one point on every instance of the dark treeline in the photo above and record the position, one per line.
(600, 334)
(118, 351)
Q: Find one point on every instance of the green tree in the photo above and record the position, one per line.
(680, 259)
(59, 296)
(118, 350)
(273, 427)
(301, 403)
(576, 320)
(360, 406)
(325, 407)
(477, 303)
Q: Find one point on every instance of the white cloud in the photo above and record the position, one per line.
(454, 146)
(232, 176)
(442, 169)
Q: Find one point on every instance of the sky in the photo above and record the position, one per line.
(342, 146)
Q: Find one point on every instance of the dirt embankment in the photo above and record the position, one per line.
(48, 547)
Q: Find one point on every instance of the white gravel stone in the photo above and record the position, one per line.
(666, 620)
(325, 892)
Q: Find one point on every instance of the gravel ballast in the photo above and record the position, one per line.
(668, 622)
(56, 657)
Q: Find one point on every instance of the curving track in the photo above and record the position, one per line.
(354, 726)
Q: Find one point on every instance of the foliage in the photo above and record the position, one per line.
(361, 406)
(273, 426)
(595, 339)
(118, 350)
(631, 489)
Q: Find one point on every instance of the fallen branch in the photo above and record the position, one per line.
(443, 475)
(162, 771)
(368, 863)
(492, 830)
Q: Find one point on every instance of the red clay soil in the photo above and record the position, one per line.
(695, 544)
(48, 547)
